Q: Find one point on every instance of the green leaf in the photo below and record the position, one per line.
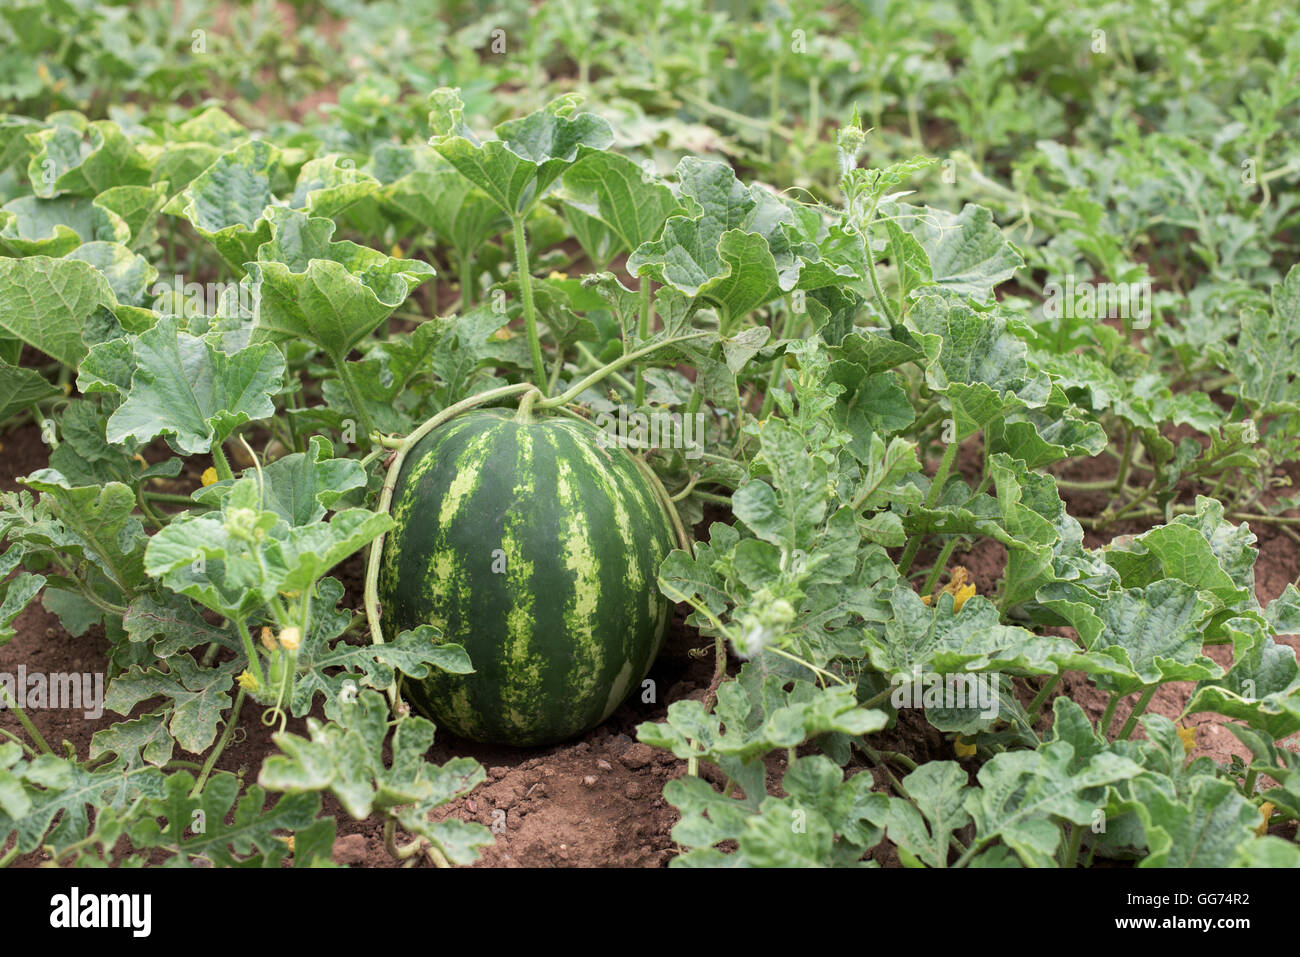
(129, 275)
(966, 347)
(824, 820)
(57, 788)
(918, 637)
(620, 194)
(136, 743)
(53, 305)
(138, 207)
(174, 625)
(965, 253)
(1023, 794)
(14, 596)
(1156, 631)
(326, 187)
(925, 828)
(436, 195)
(1261, 688)
(1208, 829)
(301, 486)
(95, 522)
(197, 829)
(1181, 552)
(182, 386)
(346, 758)
(238, 559)
(336, 670)
(31, 226)
(1264, 358)
(691, 732)
(527, 156)
(200, 696)
(1268, 851)
(85, 162)
(21, 388)
(226, 201)
(332, 294)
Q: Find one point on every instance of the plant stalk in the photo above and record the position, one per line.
(211, 762)
(530, 309)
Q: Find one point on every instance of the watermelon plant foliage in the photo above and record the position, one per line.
(229, 334)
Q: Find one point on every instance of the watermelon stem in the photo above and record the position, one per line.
(231, 722)
(254, 662)
(349, 384)
(666, 501)
(697, 396)
(399, 851)
(525, 414)
(526, 294)
(643, 332)
(606, 370)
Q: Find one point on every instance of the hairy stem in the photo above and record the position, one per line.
(1109, 714)
(1042, 695)
(211, 762)
(1138, 710)
(221, 463)
(643, 333)
(931, 500)
(583, 385)
(354, 394)
(25, 721)
(530, 309)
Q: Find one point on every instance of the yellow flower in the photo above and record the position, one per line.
(209, 477)
(397, 252)
(1265, 812)
(268, 639)
(964, 748)
(247, 681)
(555, 274)
(502, 334)
(1188, 736)
(957, 586)
(289, 638)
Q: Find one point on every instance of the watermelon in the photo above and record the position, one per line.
(536, 546)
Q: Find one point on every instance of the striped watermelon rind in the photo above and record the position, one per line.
(536, 547)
